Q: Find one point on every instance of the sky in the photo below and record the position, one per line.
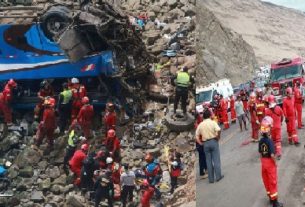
(295, 4)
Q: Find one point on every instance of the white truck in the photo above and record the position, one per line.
(205, 94)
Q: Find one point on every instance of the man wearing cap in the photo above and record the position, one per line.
(6, 98)
(298, 100)
(276, 113)
(183, 80)
(208, 134)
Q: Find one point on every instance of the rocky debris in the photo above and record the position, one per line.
(37, 197)
(221, 52)
(74, 201)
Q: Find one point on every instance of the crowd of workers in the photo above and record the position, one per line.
(265, 117)
(96, 169)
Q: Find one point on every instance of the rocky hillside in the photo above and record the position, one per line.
(274, 32)
(221, 52)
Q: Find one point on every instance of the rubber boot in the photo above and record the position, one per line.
(275, 203)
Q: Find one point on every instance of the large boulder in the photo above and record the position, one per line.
(28, 157)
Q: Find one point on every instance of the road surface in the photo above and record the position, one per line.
(242, 184)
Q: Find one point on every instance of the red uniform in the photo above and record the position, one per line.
(5, 99)
(115, 169)
(76, 162)
(113, 145)
(254, 120)
(276, 114)
(224, 113)
(146, 196)
(289, 113)
(232, 109)
(78, 92)
(298, 100)
(47, 127)
(43, 93)
(260, 109)
(110, 120)
(85, 117)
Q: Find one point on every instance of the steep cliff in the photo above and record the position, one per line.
(221, 53)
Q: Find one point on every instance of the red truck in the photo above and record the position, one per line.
(285, 74)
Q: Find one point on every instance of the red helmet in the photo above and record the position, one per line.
(266, 124)
(111, 133)
(85, 100)
(149, 158)
(12, 83)
(85, 147)
(289, 91)
(100, 154)
(271, 99)
(145, 183)
(52, 102)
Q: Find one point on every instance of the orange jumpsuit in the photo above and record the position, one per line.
(5, 99)
(289, 113)
(298, 100)
(224, 113)
(78, 92)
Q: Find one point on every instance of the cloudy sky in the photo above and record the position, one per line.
(296, 4)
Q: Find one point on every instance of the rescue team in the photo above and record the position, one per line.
(101, 172)
(266, 117)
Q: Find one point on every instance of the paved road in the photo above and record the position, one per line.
(242, 185)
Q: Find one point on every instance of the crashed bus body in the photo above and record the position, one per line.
(285, 74)
(28, 56)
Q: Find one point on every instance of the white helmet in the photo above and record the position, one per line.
(175, 163)
(109, 160)
(74, 80)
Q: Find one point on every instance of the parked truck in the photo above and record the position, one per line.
(285, 74)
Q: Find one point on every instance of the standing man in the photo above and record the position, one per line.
(47, 126)
(85, 117)
(128, 184)
(110, 117)
(78, 92)
(182, 84)
(289, 113)
(276, 113)
(260, 105)
(224, 112)
(298, 100)
(6, 98)
(269, 168)
(240, 111)
(46, 90)
(244, 99)
(254, 119)
(232, 109)
(209, 131)
(64, 107)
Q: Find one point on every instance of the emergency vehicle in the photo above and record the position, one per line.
(285, 74)
(205, 94)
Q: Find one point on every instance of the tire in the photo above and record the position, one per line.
(55, 21)
(180, 124)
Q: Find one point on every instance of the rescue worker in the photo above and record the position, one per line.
(298, 100)
(182, 84)
(115, 170)
(78, 92)
(73, 139)
(64, 107)
(224, 112)
(85, 117)
(216, 108)
(289, 113)
(175, 172)
(153, 172)
(254, 119)
(46, 90)
(147, 194)
(244, 99)
(47, 126)
(232, 109)
(104, 189)
(76, 162)
(260, 105)
(112, 144)
(110, 117)
(87, 172)
(269, 168)
(277, 115)
(6, 98)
